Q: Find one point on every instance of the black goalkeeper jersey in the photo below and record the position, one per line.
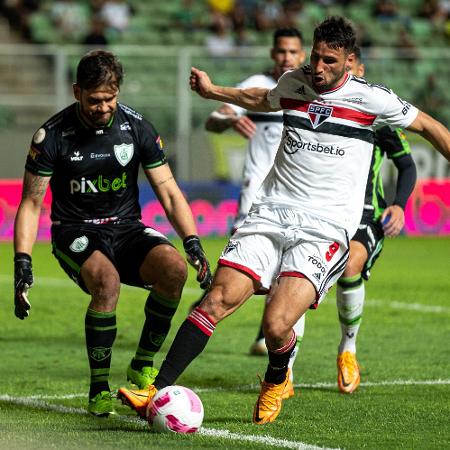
(393, 145)
(94, 171)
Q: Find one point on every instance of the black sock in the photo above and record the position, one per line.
(158, 316)
(189, 342)
(279, 362)
(101, 330)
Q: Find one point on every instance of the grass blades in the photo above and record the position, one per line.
(403, 401)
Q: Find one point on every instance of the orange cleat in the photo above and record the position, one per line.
(268, 405)
(348, 372)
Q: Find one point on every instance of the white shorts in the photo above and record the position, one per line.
(281, 242)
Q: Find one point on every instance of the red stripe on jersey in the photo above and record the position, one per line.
(240, 267)
(339, 112)
(200, 319)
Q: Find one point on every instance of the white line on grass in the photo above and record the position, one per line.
(419, 307)
(255, 387)
(407, 306)
(33, 402)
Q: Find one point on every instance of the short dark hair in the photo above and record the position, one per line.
(336, 32)
(99, 67)
(357, 52)
(286, 32)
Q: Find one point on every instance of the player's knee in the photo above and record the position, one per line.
(276, 332)
(217, 305)
(174, 279)
(105, 288)
(353, 267)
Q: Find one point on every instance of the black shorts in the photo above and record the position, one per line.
(125, 244)
(371, 235)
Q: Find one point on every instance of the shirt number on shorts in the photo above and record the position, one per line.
(332, 249)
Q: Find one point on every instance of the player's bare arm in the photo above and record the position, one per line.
(254, 99)
(172, 200)
(225, 117)
(433, 131)
(27, 218)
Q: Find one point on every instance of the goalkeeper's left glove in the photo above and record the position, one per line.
(23, 280)
(197, 259)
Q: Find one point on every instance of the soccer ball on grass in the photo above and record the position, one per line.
(175, 409)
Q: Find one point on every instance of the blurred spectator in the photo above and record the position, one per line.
(96, 6)
(363, 38)
(18, 12)
(385, 10)
(243, 14)
(269, 15)
(96, 36)
(407, 48)
(433, 10)
(292, 10)
(430, 99)
(70, 18)
(220, 41)
(187, 17)
(224, 7)
(242, 39)
(116, 14)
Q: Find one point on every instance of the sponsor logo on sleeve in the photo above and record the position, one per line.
(34, 153)
(39, 136)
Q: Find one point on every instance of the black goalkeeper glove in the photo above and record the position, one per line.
(197, 259)
(23, 280)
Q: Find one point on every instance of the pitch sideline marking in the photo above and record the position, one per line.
(211, 432)
(419, 307)
(249, 387)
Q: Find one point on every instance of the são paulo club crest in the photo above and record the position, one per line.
(318, 114)
(124, 153)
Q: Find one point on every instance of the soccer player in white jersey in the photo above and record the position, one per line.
(263, 131)
(298, 229)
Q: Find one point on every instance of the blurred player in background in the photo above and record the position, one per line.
(90, 153)
(311, 203)
(263, 131)
(378, 220)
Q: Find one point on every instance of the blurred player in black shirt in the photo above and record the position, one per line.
(90, 153)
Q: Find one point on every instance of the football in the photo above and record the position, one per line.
(175, 409)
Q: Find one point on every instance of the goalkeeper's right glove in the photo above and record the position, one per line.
(23, 280)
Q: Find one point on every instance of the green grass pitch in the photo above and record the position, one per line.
(403, 347)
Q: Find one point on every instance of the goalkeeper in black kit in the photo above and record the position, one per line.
(90, 154)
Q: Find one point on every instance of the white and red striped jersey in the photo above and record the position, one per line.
(325, 151)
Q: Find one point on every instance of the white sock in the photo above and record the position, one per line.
(299, 329)
(350, 303)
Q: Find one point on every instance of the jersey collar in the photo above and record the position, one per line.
(346, 78)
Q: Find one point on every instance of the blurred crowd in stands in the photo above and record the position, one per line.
(225, 24)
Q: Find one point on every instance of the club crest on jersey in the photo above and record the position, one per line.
(318, 114)
(124, 153)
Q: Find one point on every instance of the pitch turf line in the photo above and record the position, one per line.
(419, 307)
(255, 387)
(32, 402)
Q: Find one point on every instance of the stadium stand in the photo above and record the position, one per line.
(403, 49)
